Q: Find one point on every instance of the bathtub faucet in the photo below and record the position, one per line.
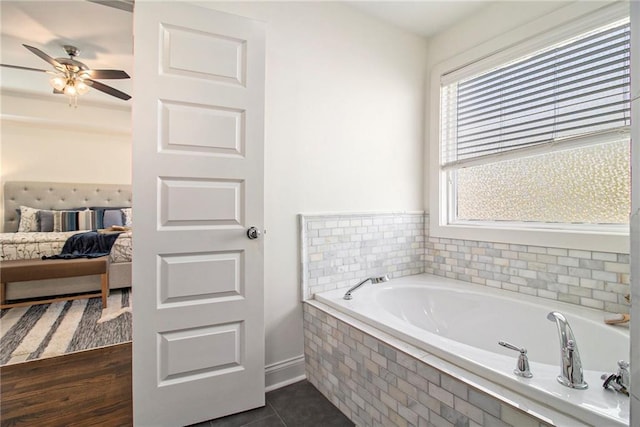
(374, 280)
(571, 375)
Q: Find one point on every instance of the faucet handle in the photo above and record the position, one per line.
(614, 382)
(624, 377)
(620, 380)
(512, 347)
(522, 367)
(623, 364)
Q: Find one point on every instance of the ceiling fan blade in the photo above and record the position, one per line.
(108, 74)
(19, 67)
(44, 56)
(57, 92)
(108, 89)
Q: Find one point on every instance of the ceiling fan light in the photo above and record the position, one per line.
(58, 82)
(81, 87)
(70, 90)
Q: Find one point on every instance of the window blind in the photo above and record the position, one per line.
(577, 88)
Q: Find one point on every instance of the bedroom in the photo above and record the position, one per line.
(48, 142)
(378, 169)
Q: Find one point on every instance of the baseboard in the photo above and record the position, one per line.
(283, 373)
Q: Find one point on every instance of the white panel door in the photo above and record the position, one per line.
(198, 114)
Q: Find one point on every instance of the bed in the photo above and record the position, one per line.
(59, 201)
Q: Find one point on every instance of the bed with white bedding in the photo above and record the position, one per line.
(34, 245)
(62, 210)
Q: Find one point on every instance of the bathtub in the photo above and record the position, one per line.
(461, 324)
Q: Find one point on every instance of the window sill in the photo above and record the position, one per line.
(614, 240)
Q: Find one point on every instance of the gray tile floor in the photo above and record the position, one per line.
(297, 405)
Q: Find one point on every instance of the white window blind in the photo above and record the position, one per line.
(577, 88)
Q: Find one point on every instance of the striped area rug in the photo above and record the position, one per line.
(47, 330)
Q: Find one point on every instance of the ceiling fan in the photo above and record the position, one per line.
(72, 78)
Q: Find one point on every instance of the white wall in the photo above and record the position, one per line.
(43, 139)
(344, 132)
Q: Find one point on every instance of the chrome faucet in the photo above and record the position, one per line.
(570, 364)
(374, 280)
(522, 368)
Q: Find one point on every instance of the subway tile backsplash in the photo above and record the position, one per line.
(338, 250)
(597, 280)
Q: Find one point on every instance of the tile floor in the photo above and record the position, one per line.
(297, 405)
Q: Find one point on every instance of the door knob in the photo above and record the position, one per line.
(253, 233)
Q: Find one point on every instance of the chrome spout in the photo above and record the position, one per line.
(373, 280)
(570, 364)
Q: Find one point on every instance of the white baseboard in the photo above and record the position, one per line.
(283, 373)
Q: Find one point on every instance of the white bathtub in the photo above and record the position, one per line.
(462, 324)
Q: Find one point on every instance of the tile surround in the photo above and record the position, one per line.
(338, 250)
(591, 279)
(376, 384)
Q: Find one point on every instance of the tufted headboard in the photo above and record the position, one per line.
(59, 195)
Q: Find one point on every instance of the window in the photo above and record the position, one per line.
(541, 141)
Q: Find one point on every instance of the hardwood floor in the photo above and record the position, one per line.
(88, 388)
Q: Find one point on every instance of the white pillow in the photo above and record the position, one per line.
(28, 220)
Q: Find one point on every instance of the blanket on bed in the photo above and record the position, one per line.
(90, 244)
